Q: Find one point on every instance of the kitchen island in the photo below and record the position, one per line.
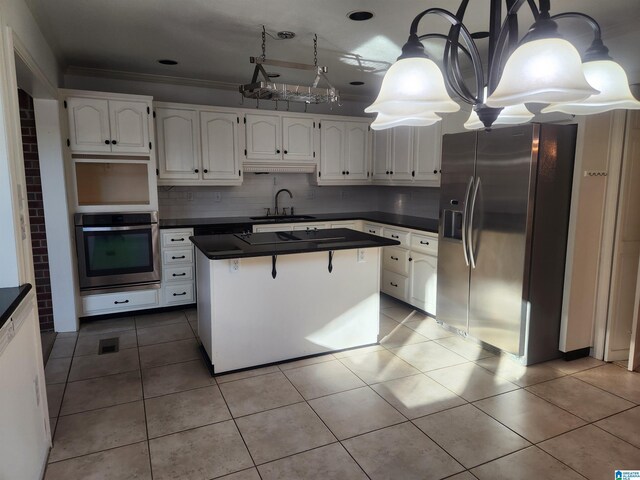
(274, 296)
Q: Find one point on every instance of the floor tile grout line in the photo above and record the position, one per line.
(570, 412)
(238, 430)
(96, 452)
(144, 405)
(64, 391)
(600, 388)
(613, 434)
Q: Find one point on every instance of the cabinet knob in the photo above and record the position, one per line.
(410, 259)
(435, 171)
(196, 170)
(391, 172)
(278, 151)
(113, 142)
(205, 170)
(387, 172)
(343, 172)
(285, 152)
(347, 172)
(107, 142)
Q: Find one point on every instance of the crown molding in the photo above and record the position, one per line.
(174, 80)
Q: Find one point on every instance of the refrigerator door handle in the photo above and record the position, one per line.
(464, 221)
(472, 258)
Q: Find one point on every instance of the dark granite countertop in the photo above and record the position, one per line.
(10, 298)
(219, 247)
(244, 223)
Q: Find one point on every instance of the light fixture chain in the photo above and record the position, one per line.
(264, 43)
(315, 49)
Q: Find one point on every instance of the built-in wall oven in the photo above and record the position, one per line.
(117, 251)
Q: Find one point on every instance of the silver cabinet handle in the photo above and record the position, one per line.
(472, 258)
(464, 221)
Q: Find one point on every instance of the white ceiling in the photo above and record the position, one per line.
(213, 39)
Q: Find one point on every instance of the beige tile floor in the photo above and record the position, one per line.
(423, 404)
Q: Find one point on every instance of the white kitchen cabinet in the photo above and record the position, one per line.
(263, 136)
(344, 152)
(178, 149)
(100, 304)
(108, 125)
(220, 147)
(198, 146)
(372, 229)
(423, 281)
(428, 154)
(297, 138)
(407, 155)
(178, 268)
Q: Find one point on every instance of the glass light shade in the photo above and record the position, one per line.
(384, 121)
(542, 71)
(413, 86)
(513, 115)
(608, 77)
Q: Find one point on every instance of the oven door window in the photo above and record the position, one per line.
(118, 252)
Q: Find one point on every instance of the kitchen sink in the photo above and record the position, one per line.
(283, 218)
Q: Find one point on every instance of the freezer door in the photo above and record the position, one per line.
(458, 159)
(499, 217)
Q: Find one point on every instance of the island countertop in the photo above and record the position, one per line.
(220, 247)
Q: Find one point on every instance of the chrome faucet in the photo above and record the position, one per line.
(278, 193)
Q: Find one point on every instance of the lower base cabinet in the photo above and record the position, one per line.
(423, 281)
(178, 268)
(104, 303)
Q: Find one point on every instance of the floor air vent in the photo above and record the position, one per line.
(108, 345)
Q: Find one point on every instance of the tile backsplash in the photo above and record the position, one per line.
(257, 193)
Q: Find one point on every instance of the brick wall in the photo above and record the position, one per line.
(36, 211)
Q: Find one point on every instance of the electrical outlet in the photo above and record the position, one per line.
(217, 196)
(189, 196)
(344, 194)
(361, 255)
(234, 265)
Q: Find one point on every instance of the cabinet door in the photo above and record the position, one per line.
(178, 150)
(263, 137)
(332, 150)
(89, 125)
(428, 153)
(424, 270)
(129, 126)
(381, 154)
(357, 150)
(220, 151)
(401, 164)
(297, 138)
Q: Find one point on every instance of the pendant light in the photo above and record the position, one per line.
(541, 68)
(609, 78)
(413, 86)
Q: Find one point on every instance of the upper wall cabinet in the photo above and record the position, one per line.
(344, 152)
(104, 125)
(407, 156)
(197, 146)
(281, 138)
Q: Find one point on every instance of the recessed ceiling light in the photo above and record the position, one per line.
(357, 83)
(286, 35)
(273, 74)
(166, 61)
(360, 15)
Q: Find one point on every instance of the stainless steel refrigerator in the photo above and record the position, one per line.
(504, 213)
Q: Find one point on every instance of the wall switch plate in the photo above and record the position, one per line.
(189, 196)
(217, 196)
(234, 265)
(361, 255)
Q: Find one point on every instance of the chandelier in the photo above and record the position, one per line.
(541, 68)
(266, 89)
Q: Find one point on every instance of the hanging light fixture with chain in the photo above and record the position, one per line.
(541, 68)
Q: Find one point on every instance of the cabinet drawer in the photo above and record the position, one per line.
(113, 302)
(177, 256)
(176, 239)
(396, 260)
(373, 229)
(402, 237)
(177, 274)
(178, 293)
(310, 226)
(394, 284)
(424, 243)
